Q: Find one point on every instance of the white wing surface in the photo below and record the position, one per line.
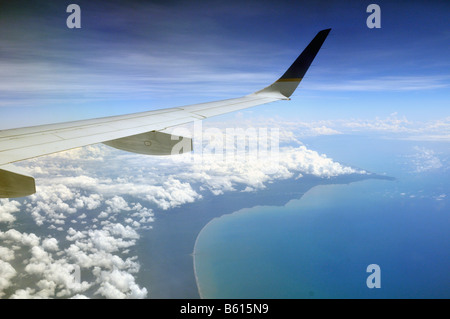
(138, 132)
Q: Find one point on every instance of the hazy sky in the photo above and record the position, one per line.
(132, 56)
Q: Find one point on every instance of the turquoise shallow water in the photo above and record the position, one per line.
(320, 245)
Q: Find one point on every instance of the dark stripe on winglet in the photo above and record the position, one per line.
(298, 69)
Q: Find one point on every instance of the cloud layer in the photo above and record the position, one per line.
(92, 204)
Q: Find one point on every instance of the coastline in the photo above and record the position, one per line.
(331, 268)
(193, 260)
(247, 210)
(170, 246)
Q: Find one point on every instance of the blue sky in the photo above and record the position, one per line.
(132, 56)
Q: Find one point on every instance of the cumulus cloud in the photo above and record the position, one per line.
(90, 202)
(117, 203)
(13, 236)
(50, 244)
(219, 175)
(7, 272)
(6, 254)
(118, 284)
(56, 270)
(7, 208)
(51, 266)
(50, 203)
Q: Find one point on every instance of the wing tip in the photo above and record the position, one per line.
(288, 82)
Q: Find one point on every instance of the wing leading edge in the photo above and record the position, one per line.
(138, 132)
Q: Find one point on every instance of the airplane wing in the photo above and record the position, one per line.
(138, 132)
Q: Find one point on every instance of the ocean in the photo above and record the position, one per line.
(319, 246)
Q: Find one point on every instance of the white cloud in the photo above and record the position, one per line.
(386, 83)
(54, 270)
(104, 241)
(391, 124)
(50, 263)
(425, 160)
(49, 203)
(78, 296)
(6, 254)
(27, 293)
(172, 193)
(220, 175)
(7, 208)
(117, 284)
(323, 130)
(7, 272)
(117, 203)
(121, 231)
(73, 235)
(394, 124)
(13, 236)
(90, 202)
(310, 162)
(57, 275)
(50, 244)
(398, 127)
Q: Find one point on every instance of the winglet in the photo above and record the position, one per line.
(289, 81)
